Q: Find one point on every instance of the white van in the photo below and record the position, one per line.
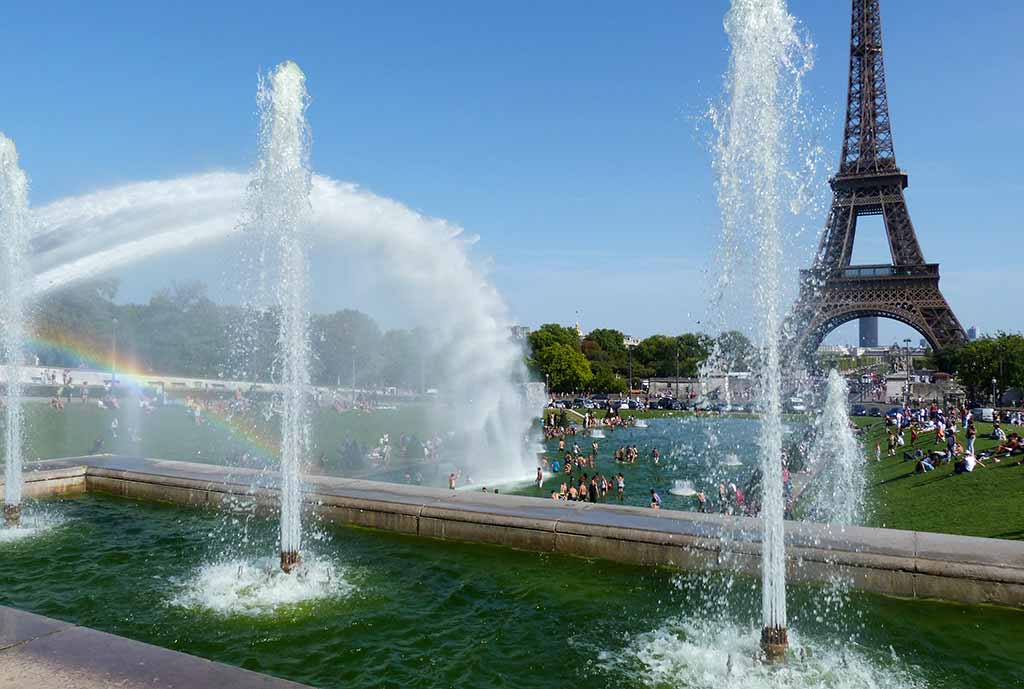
(983, 414)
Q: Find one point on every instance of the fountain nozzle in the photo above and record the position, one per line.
(290, 559)
(12, 515)
(774, 642)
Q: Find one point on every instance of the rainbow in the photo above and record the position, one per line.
(131, 373)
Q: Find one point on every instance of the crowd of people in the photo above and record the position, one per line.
(947, 427)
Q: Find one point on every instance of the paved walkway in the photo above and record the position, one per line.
(41, 653)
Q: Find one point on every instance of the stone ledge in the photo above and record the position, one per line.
(41, 653)
(957, 568)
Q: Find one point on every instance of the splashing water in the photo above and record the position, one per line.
(762, 87)
(715, 653)
(14, 236)
(840, 483)
(279, 210)
(33, 523)
(254, 588)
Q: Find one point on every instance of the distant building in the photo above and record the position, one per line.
(869, 331)
(972, 333)
(519, 332)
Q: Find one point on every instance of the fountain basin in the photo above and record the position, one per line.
(431, 613)
(902, 563)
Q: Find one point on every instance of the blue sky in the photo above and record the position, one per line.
(563, 133)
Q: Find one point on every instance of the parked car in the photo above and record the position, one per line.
(986, 414)
(874, 411)
(796, 405)
(859, 410)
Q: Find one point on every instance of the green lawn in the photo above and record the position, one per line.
(171, 433)
(987, 502)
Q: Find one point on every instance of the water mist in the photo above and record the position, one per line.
(14, 285)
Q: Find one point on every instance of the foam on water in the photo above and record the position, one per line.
(682, 487)
(258, 587)
(732, 460)
(715, 654)
(33, 524)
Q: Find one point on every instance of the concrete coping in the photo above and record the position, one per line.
(39, 652)
(962, 557)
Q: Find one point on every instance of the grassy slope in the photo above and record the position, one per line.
(988, 502)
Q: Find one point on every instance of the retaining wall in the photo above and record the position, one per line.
(902, 563)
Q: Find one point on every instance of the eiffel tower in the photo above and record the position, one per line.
(869, 182)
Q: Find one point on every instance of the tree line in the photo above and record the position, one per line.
(181, 331)
(998, 358)
(600, 361)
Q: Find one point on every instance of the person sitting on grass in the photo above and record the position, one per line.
(1010, 447)
(998, 433)
(917, 454)
(967, 465)
(924, 465)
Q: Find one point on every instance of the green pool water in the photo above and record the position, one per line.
(409, 612)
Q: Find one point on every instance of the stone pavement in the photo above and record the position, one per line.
(41, 653)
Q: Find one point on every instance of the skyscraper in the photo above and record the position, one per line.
(869, 331)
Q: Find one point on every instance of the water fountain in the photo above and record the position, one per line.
(425, 263)
(764, 72)
(838, 461)
(14, 234)
(279, 209)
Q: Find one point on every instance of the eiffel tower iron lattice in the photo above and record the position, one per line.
(869, 182)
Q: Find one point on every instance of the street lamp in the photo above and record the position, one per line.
(993, 392)
(677, 372)
(906, 400)
(630, 351)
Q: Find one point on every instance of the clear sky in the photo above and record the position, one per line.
(564, 133)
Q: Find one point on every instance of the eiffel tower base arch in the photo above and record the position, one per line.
(917, 303)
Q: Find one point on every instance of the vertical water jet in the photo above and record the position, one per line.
(761, 91)
(280, 208)
(14, 285)
(838, 497)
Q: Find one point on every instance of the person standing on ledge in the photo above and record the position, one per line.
(655, 500)
(451, 481)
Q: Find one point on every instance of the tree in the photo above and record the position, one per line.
(735, 350)
(605, 380)
(339, 338)
(552, 333)
(606, 346)
(978, 363)
(659, 353)
(565, 367)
